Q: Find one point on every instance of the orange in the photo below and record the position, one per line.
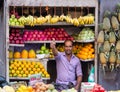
(17, 55)
(92, 50)
(30, 89)
(24, 54)
(93, 56)
(89, 56)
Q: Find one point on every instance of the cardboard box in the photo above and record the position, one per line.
(87, 86)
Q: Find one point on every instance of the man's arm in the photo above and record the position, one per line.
(78, 84)
(53, 47)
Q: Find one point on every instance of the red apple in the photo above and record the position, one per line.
(36, 32)
(34, 36)
(26, 32)
(17, 34)
(17, 41)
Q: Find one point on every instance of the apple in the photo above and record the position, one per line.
(11, 37)
(32, 39)
(25, 35)
(36, 39)
(12, 23)
(28, 39)
(36, 32)
(30, 36)
(17, 41)
(43, 48)
(40, 32)
(26, 32)
(46, 51)
(12, 41)
(15, 38)
(12, 16)
(17, 34)
(20, 41)
(34, 35)
(41, 52)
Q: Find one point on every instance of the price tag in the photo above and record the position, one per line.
(35, 78)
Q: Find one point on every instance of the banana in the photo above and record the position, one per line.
(48, 18)
(75, 22)
(62, 17)
(54, 19)
(81, 21)
(41, 20)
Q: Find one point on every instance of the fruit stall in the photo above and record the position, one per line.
(30, 27)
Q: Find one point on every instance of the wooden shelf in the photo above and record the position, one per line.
(16, 26)
(85, 41)
(43, 41)
(88, 60)
(31, 59)
(25, 78)
(55, 24)
(17, 45)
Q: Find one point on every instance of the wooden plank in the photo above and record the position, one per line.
(71, 3)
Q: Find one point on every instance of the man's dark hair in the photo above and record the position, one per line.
(68, 41)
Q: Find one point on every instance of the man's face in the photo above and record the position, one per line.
(68, 47)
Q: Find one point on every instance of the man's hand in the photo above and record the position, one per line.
(52, 44)
(53, 47)
(77, 88)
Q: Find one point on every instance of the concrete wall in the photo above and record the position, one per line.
(2, 43)
(109, 80)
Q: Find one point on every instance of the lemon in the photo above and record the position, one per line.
(38, 70)
(24, 75)
(20, 68)
(19, 75)
(24, 69)
(22, 72)
(26, 72)
(17, 72)
(14, 75)
(47, 76)
(10, 75)
(31, 72)
(12, 71)
(34, 69)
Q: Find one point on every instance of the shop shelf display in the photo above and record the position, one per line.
(44, 36)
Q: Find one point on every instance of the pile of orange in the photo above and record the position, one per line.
(86, 52)
(24, 68)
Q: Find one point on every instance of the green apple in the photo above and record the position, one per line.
(12, 23)
(43, 48)
(46, 51)
(11, 19)
(15, 20)
(17, 23)
(12, 16)
(41, 52)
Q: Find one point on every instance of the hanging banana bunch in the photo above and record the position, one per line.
(48, 18)
(112, 58)
(62, 16)
(106, 21)
(114, 21)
